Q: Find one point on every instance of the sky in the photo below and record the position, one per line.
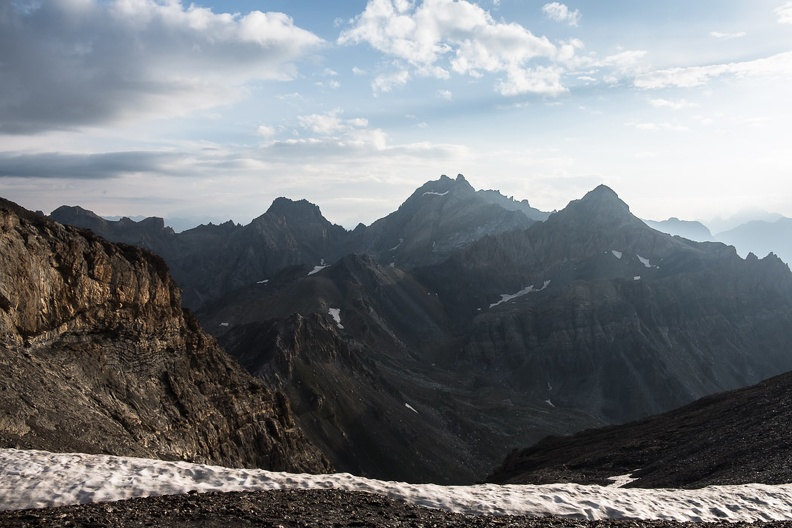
(207, 111)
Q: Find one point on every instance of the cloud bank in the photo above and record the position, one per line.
(73, 63)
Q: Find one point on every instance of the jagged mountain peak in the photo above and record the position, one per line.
(75, 210)
(442, 187)
(603, 196)
(598, 208)
(298, 209)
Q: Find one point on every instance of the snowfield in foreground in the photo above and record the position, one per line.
(37, 479)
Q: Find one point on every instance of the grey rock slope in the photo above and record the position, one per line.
(737, 437)
(610, 317)
(361, 349)
(97, 355)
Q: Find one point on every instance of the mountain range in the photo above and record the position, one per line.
(426, 346)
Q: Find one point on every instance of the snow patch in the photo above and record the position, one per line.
(316, 269)
(619, 481)
(434, 193)
(411, 408)
(223, 324)
(548, 402)
(644, 261)
(265, 281)
(335, 313)
(38, 479)
(506, 297)
(637, 277)
(617, 254)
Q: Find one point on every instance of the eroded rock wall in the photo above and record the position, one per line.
(97, 355)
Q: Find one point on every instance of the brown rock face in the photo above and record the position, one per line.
(97, 355)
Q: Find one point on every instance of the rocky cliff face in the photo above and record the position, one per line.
(97, 355)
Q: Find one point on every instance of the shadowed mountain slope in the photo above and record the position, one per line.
(594, 310)
(358, 346)
(736, 437)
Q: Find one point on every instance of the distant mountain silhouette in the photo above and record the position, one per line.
(762, 238)
(692, 230)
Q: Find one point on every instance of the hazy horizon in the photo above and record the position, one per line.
(214, 109)
(715, 225)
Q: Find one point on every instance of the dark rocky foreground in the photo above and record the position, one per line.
(735, 437)
(292, 509)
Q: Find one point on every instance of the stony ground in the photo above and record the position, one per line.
(294, 508)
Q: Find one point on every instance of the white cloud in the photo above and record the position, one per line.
(561, 13)
(649, 126)
(445, 94)
(776, 65)
(785, 13)
(265, 131)
(542, 80)
(332, 84)
(436, 37)
(71, 64)
(674, 105)
(322, 123)
(386, 82)
(727, 36)
(332, 128)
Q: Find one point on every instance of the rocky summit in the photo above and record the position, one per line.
(97, 355)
